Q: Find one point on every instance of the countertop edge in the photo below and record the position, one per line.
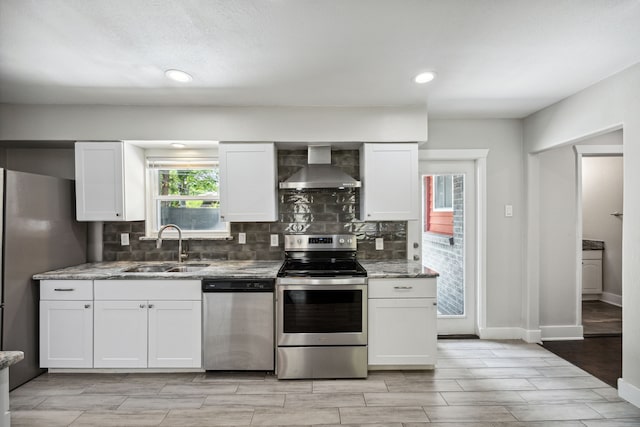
(10, 358)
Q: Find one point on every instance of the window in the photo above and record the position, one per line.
(184, 192)
(443, 193)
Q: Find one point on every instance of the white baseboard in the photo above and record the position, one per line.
(562, 333)
(532, 335)
(508, 333)
(612, 299)
(629, 392)
(590, 297)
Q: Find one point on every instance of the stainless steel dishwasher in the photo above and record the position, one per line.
(238, 324)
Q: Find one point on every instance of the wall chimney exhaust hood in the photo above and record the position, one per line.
(319, 173)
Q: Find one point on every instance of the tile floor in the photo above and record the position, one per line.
(477, 383)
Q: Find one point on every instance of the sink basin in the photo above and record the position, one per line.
(166, 268)
(149, 268)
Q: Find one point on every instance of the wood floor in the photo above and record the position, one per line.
(477, 383)
(601, 319)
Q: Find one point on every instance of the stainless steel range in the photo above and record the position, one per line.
(321, 309)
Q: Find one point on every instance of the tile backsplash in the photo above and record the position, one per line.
(307, 211)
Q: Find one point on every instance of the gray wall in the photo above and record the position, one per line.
(58, 162)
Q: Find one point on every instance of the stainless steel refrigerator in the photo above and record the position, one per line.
(39, 233)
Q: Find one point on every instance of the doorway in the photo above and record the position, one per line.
(447, 238)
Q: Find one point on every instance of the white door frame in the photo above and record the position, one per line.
(586, 151)
(480, 160)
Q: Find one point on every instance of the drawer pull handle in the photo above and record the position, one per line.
(403, 287)
(142, 305)
(87, 306)
(64, 289)
(150, 305)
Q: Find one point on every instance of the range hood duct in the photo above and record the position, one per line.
(319, 173)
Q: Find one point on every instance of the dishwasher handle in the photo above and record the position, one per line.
(238, 285)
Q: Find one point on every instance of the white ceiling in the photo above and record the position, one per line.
(494, 58)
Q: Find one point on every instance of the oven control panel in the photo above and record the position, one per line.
(315, 242)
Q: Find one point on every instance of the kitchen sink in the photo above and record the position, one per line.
(165, 268)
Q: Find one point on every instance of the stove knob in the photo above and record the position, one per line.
(349, 241)
(341, 241)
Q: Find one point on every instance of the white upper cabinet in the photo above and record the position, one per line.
(248, 182)
(389, 174)
(109, 181)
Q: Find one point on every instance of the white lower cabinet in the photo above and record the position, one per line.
(163, 331)
(66, 324)
(402, 323)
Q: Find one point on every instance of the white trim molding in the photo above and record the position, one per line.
(562, 333)
(629, 392)
(612, 299)
(507, 333)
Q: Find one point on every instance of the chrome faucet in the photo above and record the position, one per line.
(181, 256)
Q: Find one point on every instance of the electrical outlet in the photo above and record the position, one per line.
(124, 239)
(508, 211)
(379, 243)
(242, 238)
(274, 240)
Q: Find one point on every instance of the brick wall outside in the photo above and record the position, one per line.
(308, 211)
(448, 259)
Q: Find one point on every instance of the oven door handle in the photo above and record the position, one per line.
(403, 287)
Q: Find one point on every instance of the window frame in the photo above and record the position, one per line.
(435, 193)
(153, 165)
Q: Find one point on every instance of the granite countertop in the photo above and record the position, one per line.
(257, 269)
(8, 358)
(396, 269)
(115, 270)
(592, 245)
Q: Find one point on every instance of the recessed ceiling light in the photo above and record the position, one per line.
(178, 76)
(177, 145)
(425, 77)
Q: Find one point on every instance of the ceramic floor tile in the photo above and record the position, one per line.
(561, 396)
(324, 400)
(566, 383)
(162, 377)
(482, 397)
(423, 386)
(461, 363)
(442, 374)
(198, 389)
(504, 372)
(538, 424)
(120, 419)
(553, 412)
(140, 402)
(24, 402)
(529, 351)
(403, 399)
(382, 415)
(563, 371)
(468, 413)
(42, 389)
(43, 418)
(609, 393)
(464, 354)
(616, 409)
(504, 384)
(348, 386)
(126, 388)
(461, 424)
(276, 387)
(286, 416)
(235, 377)
(246, 400)
(516, 362)
(209, 416)
(624, 422)
(82, 402)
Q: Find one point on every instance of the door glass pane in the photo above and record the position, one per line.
(443, 241)
(322, 311)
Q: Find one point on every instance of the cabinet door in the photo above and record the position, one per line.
(248, 182)
(591, 276)
(66, 334)
(389, 173)
(402, 331)
(99, 195)
(120, 334)
(175, 334)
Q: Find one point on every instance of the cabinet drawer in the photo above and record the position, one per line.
(69, 290)
(148, 290)
(591, 254)
(421, 287)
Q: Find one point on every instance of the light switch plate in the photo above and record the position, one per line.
(379, 243)
(242, 238)
(274, 240)
(124, 239)
(508, 211)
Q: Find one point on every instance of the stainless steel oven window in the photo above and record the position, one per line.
(322, 315)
